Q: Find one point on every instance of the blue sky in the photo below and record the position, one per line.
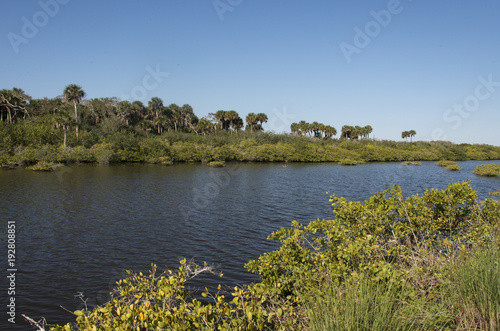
(430, 66)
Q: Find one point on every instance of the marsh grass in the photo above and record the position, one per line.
(365, 305)
(462, 294)
(455, 292)
(414, 302)
(475, 291)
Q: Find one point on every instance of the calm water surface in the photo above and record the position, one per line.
(80, 228)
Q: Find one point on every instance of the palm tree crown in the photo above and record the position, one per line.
(74, 93)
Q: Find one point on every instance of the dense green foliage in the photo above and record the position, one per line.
(318, 130)
(450, 165)
(71, 129)
(412, 163)
(490, 170)
(45, 166)
(425, 262)
(28, 143)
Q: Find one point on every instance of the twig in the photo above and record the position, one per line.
(40, 325)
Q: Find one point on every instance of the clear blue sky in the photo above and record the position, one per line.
(430, 66)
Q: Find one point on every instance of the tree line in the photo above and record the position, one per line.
(71, 111)
(408, 134)
(320, 130)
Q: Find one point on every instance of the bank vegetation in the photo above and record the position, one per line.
(70, 129)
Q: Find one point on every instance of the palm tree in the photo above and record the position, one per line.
(74, 93)
(62, 119)
(405, 135)
(262, 118)
(412, 133)
(303, 127)
(234, 119)
(222, 117)
(330, 131)
(237, 124)
(251, 120)
(175, 113)
(204, 126)
(189, 119)
(346, 131)
(156, 105)
(368, 130)
(309, 128)
(356, 132)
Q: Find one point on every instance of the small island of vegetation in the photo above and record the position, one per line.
(489, 170)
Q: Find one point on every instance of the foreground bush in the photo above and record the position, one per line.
(389, 262)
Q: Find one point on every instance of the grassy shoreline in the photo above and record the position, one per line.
(176, 147)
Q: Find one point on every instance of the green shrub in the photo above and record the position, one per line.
(45, 166)
(449, 165)
(445, 163)
(349, 162)
(412, 163)
(216, 164)
(6, 161)
(190, 152)
(165, 160)
(453, 167)
(489, 170)
(103, 153)
(75, 155)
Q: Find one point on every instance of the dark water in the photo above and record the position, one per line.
(80, 228)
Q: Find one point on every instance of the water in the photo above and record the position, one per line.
(80, 228)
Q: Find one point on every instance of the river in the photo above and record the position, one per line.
(79, 228)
